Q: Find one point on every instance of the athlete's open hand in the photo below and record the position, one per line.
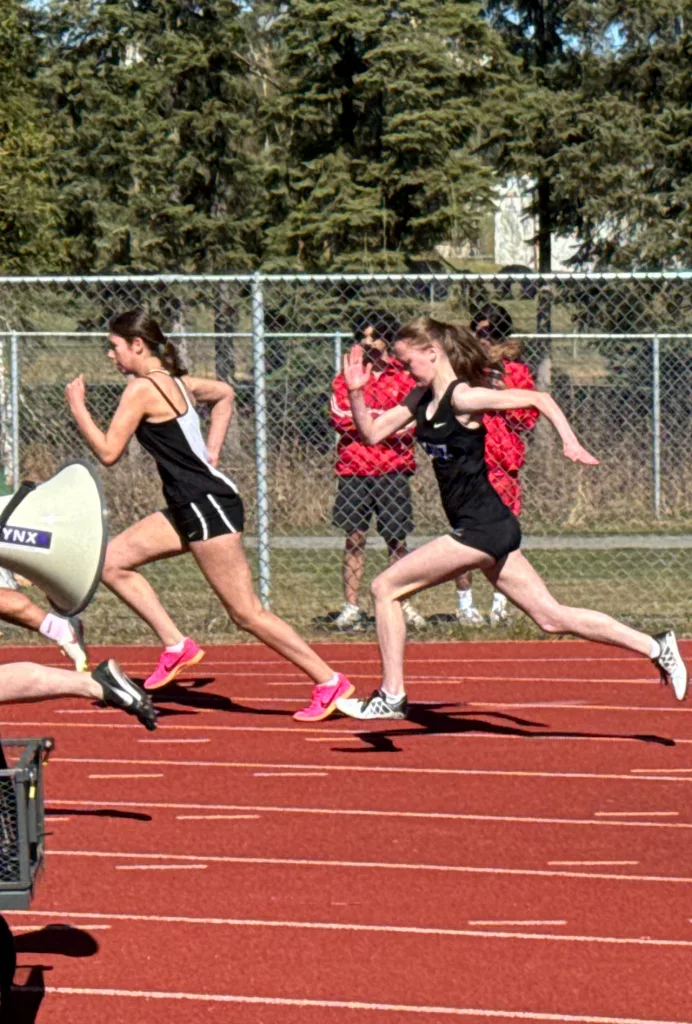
(356, 373)
(574, 451)
(75, 392)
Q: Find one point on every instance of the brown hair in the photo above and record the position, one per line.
(510, 349)
(464, 351)
(136, 323)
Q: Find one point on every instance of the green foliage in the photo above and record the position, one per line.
(379, 110)
(27, 202)
(155, 110)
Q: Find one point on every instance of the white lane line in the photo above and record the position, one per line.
(366, 813)
(214, 817)
(520, 923)
(375, 865)
(386, 929)
(128, 776)
(87, 711)
(470, 734)
(160, 867)
(17, 929)
(337, 1004)
(514, 679)
(51, 818)
(164, 739)
(390, 769)
(284, 775)
(654, 771)
(329, 739)
(592, 863)
(636, 814)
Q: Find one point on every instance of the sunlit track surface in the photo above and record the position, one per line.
(521, 849)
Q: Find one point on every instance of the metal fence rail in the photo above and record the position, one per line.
(614, 349)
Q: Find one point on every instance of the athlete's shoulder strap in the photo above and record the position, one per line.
(164, 395)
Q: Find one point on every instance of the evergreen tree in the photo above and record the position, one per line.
(379, 110)
(28, 239)
(156, 112)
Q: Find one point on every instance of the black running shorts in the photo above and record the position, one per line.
(210, 516)
(387, 497)
(496, 539)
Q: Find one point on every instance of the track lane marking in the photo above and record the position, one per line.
(370, 813)
(374, 865)
(140, 775)
(160, 867)
(346, 926)
(334, 1004)
(636, 814)
(263, 765)
(466, 735)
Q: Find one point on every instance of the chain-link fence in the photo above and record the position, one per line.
(614, 350)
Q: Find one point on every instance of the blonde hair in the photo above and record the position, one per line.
(462, 348)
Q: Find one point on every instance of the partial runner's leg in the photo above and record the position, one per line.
(442, 559)
(517, 578)
(150, 540)
(224, 564)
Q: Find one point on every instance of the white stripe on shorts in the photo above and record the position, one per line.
(205, 528)
(221, 512)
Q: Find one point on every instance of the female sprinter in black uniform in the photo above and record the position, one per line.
(204, 512)
(447, 409)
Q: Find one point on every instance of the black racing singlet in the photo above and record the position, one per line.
(181, 456)
(458, 458)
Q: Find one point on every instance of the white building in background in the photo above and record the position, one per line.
(514, 230)
(515, 227)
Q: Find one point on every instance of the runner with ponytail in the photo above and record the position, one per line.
(447, 409)
(204, 511)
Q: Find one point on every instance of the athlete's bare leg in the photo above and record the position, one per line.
(517, 578)
(27, 681)
(17, 608)
(440, 560)
(149, 540)
(353, 564)
(224, 564)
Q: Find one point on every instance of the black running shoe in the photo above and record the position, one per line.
(670, 664)
(120, 692)
(374, 706)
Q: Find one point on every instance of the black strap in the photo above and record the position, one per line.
(162, 392)
(26, 487)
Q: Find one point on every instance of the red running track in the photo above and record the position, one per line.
(520, 850)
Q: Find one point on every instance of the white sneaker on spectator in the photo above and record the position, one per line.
(469, 617)
(413, 617)
(350, 617)
(499, 616)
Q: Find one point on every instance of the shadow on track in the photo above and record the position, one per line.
(23, 1003)
(101, 813)
(433, 720)
(192, 697)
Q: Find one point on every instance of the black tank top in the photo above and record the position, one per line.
(458, 458)
(181, 456)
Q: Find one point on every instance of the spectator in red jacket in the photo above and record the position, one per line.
(373, 479)
(505, 449)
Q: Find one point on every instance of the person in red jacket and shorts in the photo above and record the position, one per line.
(373, 479)
(505, 450)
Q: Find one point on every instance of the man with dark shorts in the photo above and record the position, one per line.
(373, 479)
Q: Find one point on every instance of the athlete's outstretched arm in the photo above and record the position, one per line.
(466, 399)
(219, 396)
(374, 429)
(108, 446)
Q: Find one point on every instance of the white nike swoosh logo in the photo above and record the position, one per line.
(436, 426)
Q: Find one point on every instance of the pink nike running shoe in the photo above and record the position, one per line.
(172, 663)
(324, 699)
